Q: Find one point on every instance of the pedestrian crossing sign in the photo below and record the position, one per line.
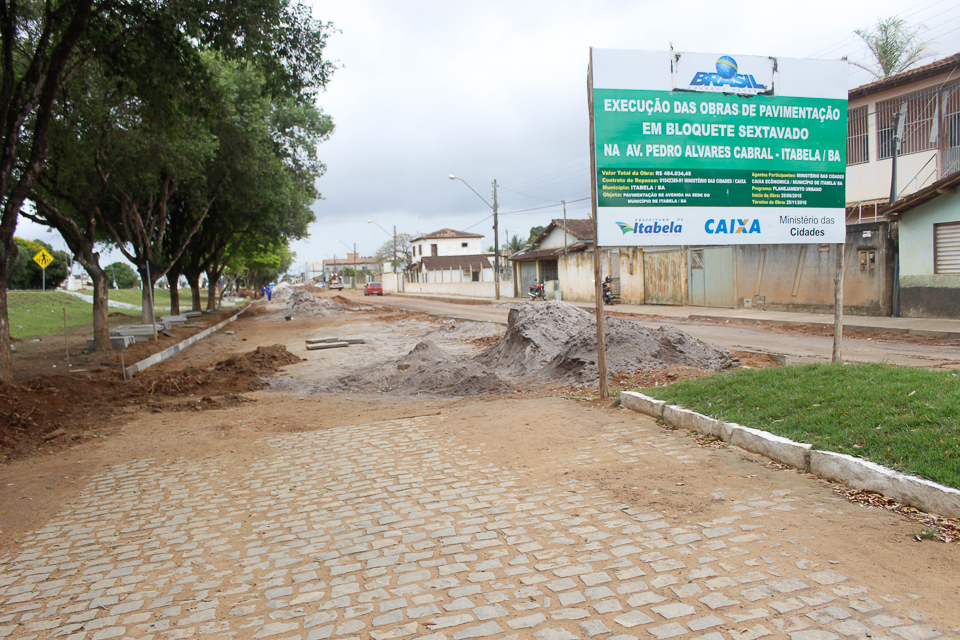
(43, 258)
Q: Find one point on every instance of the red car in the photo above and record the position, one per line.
(373, 289)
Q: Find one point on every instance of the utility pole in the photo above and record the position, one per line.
(496, 246)
(893, 155)
(354, 265)
(564, 203)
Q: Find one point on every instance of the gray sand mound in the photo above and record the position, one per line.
(302, 304)
(558, 341)
(552, 341)
(426, 370)
(631, 347)
(535, 335)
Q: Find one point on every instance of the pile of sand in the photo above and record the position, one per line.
(427, 369)
(536, 334)
(302, 304)
(557, 341)
(553, 341)
(282, 291)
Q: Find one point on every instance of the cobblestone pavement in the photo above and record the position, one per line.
(394, 530)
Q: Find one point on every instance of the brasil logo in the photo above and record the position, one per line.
(727, 78)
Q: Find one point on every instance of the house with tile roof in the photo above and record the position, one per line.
(450, 261)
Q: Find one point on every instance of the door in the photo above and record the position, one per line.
(663, 275)
(528, 276)
(711, 277)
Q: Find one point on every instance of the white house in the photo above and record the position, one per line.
(446, 242)
(452, 262)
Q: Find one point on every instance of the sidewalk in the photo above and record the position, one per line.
(932, 327)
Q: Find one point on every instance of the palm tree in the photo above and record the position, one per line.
(894, 46)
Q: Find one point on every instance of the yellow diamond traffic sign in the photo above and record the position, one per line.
(43, 259)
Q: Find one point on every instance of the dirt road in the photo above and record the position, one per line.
(303, 512)
(797, 344)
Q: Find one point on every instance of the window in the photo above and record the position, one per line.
(946, 248)
(463, 244)
(433, 250)
(857, 136)
(919, 112)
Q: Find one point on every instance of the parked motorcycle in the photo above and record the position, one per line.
(607, 292)
(537, 291)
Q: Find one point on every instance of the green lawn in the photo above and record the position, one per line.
(161, 297)
(904, 418)
(35, 313)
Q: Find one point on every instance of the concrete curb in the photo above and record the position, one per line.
(169, 352)
(837, 467)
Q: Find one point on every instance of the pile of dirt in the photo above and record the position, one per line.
(631, 347)
(53, 411)
(236, 374)
(536, 334)
(282, 291)
(549, 342)
(426, 370)
(302, 304)
(557, 341)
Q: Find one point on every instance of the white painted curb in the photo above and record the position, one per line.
(869, 476)
(837, 467)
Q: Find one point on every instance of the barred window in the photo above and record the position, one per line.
(918, 112)
(857, 136)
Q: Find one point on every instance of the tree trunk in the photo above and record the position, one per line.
(146, 301)
(101, 308)
(173, 279)
(212, 280)
(6, 359)
(194, 282)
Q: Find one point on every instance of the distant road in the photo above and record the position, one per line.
(802, 348)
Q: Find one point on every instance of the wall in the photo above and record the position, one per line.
(576, 277)
(555, 239)
(472, 289)
(923, 293)
(631, 275)
(794, 277)
(454, 275)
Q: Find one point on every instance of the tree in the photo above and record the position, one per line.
(894, 46)
(404, 255)
(27, 274)
(123, 275)
(534, 232)
(515, 244)
(42, 45)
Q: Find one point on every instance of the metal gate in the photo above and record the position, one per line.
(663, 273)
(528, 276)
(711, 278)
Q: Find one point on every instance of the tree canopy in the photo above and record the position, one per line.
(152, 61)
(893, 45)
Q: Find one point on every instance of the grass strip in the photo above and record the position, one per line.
(37, 313)
(904, 418)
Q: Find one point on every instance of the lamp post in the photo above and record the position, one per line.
(496, 233)
(393, 262)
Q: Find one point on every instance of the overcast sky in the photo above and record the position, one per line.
(496, 89)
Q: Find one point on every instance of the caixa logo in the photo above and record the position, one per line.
(652, 227)
(726, 78)
(732, 226)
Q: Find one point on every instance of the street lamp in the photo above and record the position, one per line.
(496, 233)
(394, 261)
